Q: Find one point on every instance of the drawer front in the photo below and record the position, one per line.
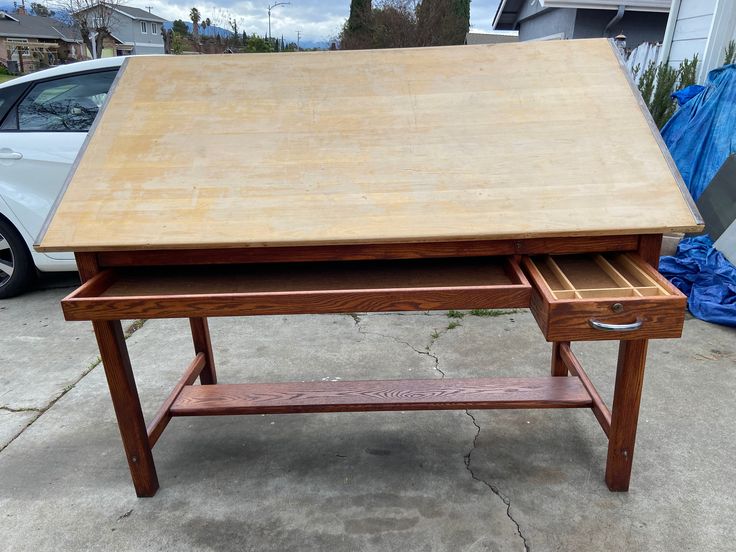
(576, 299)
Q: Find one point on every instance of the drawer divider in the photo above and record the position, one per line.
(564, 280)
(609, 269)
(631, 265)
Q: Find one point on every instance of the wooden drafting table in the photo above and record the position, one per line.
(495, 176)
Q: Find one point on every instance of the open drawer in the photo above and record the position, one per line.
(602, 296)
(300, 288)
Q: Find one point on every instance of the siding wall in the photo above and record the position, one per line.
(129, 31)
(550, 22)
(691, 30)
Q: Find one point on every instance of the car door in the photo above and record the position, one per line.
(40, 138)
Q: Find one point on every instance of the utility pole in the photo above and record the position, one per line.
(298, 36)
(269, 15)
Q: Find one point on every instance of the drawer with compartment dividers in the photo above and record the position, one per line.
(602, 296)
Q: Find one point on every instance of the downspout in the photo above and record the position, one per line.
(616, 18)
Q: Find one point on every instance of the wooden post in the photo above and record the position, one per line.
(202, 344)
(625, 412)
(558, 367)
(121, 382)
(650, 246)
(123, 391)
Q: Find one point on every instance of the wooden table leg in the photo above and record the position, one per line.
(625, 412)
(119, 373)
(558, 367)
(202, 344)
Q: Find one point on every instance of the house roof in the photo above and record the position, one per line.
(137, 13)
(508, 10)
(133, 13)
(33, 26)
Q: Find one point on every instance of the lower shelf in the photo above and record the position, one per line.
(376, 395)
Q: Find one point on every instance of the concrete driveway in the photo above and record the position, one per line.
(452, 480)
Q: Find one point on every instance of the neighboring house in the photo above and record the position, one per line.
(133, 31)
(702, 27)
(29, 42)
(491, 38)
(639, 20)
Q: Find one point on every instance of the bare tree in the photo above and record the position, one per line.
(90, 16)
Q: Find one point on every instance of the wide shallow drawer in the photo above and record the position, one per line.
(602, 296)
(300, 288)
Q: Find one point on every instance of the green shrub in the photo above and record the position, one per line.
(659, 81)
(730, 53)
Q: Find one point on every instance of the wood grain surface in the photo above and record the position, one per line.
(305, 288)
(662, 316)
(363, 147)
(377, 395)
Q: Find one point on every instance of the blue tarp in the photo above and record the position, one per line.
(706, 277)
(700, 136)
(686, 94)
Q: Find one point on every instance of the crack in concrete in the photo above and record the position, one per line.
(492, 487)
(17, 410)
(125, 515)
(135, 326)
(428, 352)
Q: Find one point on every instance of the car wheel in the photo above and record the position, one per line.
(16, 265)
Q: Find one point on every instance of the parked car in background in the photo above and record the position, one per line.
(44, 119)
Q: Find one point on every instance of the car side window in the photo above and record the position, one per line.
(8, 96)
(68, 104)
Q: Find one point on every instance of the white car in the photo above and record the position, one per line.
(44, 119)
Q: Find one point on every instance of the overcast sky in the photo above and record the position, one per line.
(318, 20)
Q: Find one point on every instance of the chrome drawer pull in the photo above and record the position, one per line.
(616, 327)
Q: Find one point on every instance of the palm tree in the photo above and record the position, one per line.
(195, 17)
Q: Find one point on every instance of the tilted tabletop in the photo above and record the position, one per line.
(385, 146)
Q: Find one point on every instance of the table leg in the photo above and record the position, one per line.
(119, 373)
(625, 412)
(202, 344)
(558, 367)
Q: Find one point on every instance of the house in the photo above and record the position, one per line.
(131, 30)
(699, 27)
(639, 20)
(29, 42)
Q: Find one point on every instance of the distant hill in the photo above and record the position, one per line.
(209, 31)
(214, 31)
(320, 44)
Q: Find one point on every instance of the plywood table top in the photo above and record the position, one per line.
(385, 146)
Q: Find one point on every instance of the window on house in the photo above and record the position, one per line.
(154, 28)
(144, 27)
